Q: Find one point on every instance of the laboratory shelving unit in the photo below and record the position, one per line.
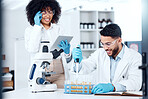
(73, 26)
(88, 34)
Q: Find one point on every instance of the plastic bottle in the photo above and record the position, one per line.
(104, 23)
(93, 25)
(81, 25)
(99, 24)
(89, 26)
(85, 26)
(109, 21)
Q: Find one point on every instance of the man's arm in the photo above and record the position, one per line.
(86, 65)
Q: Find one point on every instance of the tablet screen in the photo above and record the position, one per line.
(54, 45)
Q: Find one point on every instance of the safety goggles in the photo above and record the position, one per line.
(108, 44)
(48, 12)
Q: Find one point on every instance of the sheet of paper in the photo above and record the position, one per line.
(128, 93)
(133, 93)
(110, 93)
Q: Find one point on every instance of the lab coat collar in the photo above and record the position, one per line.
(121, 53)
(44, 27)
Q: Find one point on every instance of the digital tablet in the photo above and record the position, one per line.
(54, 45)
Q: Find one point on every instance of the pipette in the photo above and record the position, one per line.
(77, 65)
(77, 68)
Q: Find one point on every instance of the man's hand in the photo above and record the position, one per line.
(103, 88)
(77, 54)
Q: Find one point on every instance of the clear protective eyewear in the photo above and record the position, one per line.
(48, 12)
(108, 44)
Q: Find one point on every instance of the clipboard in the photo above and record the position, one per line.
(54, 45)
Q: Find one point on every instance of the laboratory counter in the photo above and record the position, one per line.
(59, 94)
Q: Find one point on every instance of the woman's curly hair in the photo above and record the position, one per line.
(37, 5)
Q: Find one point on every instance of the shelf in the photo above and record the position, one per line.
(99, 29)
(109, 11)
(7, 83)
(89, 49)
(85, 30)
(5, 69)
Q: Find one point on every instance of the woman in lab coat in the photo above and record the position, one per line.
(43, 16)
(116, 64)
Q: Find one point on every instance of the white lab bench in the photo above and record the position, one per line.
(24, 93)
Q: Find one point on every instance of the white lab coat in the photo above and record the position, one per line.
(127, 72)
(35, 34)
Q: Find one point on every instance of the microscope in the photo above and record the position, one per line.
(38, 71)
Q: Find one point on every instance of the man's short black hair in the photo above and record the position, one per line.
(112, 30)
(37, 5)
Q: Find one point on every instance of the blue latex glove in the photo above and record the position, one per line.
(77, 53)
(38, 18)
(65, 46)
(103, 88)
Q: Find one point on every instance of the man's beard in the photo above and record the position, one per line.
(115, 51)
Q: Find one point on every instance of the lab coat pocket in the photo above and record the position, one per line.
(124, 76)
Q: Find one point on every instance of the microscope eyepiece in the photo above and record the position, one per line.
(45, 49)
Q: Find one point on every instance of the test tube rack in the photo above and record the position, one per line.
(78, 88)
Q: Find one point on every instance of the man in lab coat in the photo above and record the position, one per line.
(117, 65)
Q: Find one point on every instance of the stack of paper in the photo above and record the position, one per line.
(130, 93)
